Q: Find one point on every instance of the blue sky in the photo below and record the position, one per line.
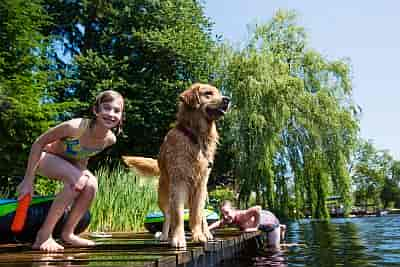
(366, 32)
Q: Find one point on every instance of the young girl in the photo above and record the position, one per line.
(62, 153)
(252, 219)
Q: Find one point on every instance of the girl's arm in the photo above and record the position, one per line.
(68, 128)
(216, 224)
(111, 140)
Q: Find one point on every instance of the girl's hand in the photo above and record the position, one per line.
(25, 187)
(80, 184)
(252, 229)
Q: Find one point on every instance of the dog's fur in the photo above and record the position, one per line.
(185, 161)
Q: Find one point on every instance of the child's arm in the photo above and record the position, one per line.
(216, 224)
(60, 131)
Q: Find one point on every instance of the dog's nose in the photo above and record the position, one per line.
(226, 100)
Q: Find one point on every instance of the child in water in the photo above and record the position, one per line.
(252, 219)
(62, 153)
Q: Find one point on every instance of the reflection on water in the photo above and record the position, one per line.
(358, 242)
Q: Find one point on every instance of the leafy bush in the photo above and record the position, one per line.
(45, 186)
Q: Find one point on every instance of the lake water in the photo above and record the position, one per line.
(358, 242)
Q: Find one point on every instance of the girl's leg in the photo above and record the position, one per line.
(81, 205)
(274, 238)
(283, 231)
(55, 167)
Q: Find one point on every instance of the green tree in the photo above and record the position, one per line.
(390, 194)
(26, 108)
(55, 56)
(294, 119)
(148, 50)
(371, 168)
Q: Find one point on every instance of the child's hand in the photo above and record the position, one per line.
(252, 229)
(80, 184)
(24, 188)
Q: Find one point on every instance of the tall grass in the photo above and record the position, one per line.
(122, 201)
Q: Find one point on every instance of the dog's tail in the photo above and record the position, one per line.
(144, 166)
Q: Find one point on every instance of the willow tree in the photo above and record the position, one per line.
(294, 120)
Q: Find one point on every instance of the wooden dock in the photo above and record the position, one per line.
(134, 250)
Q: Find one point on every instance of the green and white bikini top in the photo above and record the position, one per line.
(72, 147)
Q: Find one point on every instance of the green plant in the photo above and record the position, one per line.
(220, 194)
(45, 186)
(122, 201)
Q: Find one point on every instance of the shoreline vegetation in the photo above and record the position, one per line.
(122, 202)
(125, 198)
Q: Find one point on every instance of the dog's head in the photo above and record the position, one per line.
(207, 99)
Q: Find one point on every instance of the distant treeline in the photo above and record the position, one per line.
(291, 136)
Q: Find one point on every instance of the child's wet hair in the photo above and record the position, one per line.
(108, 96)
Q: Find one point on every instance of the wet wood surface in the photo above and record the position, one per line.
(132, 250)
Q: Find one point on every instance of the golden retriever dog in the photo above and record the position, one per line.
(185, 161)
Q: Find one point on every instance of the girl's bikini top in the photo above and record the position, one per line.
(72, 147)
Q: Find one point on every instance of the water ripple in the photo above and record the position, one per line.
(349, 242)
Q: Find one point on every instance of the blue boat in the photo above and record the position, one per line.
(154, 220)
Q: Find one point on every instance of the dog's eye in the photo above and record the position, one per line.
(209, 93)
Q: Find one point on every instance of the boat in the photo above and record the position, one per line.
(154, 220)
(380, 213)
(36, 215)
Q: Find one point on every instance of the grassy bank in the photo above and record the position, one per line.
(122, 201)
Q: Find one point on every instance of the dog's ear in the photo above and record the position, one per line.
(191, 96)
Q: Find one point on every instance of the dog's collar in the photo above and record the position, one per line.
(189, 133)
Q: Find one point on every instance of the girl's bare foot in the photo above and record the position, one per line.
(47, 244)
(77, 241)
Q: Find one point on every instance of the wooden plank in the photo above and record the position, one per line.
(100, 264)
(75, 258)
(197, 252)
(122, 235)
(166, 261)
(132, 250)
(229, 242)
(180, 256)
(213, 245)
(177, 256)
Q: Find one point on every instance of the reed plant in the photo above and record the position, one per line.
(122, 202)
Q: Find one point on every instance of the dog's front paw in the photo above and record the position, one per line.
(160, 236)
(178, 242)
(208, 235)
(163, 237)
(199, 237)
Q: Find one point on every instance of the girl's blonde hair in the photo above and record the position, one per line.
(108, 96)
